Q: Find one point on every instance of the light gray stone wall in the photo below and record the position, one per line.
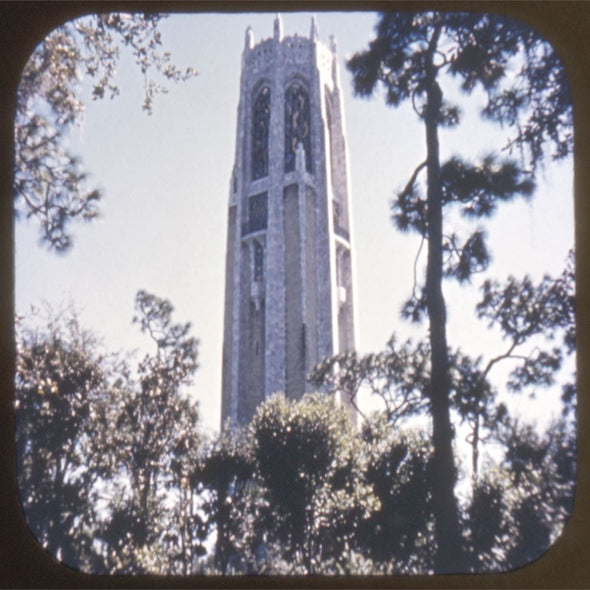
(226, 379)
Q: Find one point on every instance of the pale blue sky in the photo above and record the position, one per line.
(165, 180)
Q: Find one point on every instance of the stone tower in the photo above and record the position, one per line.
(289, 298)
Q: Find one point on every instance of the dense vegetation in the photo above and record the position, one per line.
(116, 476)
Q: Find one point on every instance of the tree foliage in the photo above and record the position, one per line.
(50, 183)
(59, 375)
(300, 492)
(224, 475)
(410, 57)
(116, 477)
(517, 511)
(536, 104)
(152, 447)
(398, 535)
(307, 461)
(399, 376)
(106, 453)
(304, 493)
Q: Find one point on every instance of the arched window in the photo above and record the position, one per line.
(297, 127)
(260, 126)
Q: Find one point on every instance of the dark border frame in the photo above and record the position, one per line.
(23, 564)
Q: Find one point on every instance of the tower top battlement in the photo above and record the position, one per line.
(293, 49)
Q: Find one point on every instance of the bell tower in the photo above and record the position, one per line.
(289, 299)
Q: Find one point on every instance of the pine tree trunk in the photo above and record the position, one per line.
(448, 537)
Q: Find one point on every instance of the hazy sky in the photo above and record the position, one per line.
(166, 178)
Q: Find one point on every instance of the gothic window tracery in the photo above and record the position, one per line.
(297, 125)
(260, 128)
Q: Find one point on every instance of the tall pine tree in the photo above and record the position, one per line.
(409, 56)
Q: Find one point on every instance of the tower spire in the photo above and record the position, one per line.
(313, 35)
(278, 27)
(249, 41)
(333, 44)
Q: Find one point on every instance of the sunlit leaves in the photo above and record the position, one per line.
(309, 466)
(302, 441)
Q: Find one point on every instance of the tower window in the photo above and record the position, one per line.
(297, 126)
(339, 228)
(260, 127)
(336, 214)
(257, 212)
(258, 262)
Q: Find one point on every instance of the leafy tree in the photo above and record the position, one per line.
(532, 318)
(59, 376)
(50, 184)
(107, 454)
(151, 448)
(224, 474)
(398, 535)
(409, 57)
(536, 104)
(398, 375)
(519, 508)
(308, 469)
(301, 492)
